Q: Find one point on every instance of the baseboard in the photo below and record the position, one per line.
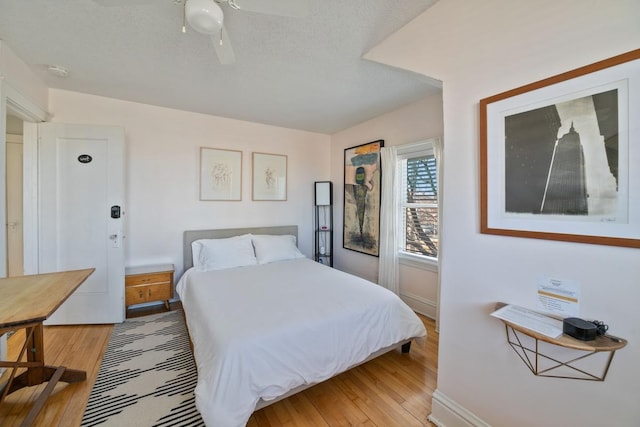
(420, 304)
(446, 412)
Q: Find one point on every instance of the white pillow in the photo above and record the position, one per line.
(218, 254)
(271, 248)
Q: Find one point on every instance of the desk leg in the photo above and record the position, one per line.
(35, 409)
(37, 372)
(35, 353)
(34, 346)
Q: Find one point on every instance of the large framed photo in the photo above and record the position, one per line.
(560, 158)
(220, 174)
(269, 177)
(361, 221)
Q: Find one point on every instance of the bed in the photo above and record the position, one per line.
(266, 322)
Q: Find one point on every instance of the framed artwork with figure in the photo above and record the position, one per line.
(361, 215)
(269, 177)
(220, 174)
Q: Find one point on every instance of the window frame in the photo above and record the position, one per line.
(404, 152)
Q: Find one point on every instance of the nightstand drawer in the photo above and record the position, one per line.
(147, 279)
(146, 293)
(148, 283)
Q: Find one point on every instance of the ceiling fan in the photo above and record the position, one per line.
(207, 17)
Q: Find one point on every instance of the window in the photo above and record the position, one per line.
(418, 200)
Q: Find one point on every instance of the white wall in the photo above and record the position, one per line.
(480, 49)
(415, 122)
(20, 77)
(162, 172)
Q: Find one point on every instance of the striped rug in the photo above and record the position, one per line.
(147, 376)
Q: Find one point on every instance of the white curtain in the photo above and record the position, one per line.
(388, 271)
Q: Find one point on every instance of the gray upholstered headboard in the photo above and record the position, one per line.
(193, 235)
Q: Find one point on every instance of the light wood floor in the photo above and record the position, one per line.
(393, 390)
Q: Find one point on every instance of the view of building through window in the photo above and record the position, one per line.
(420, 205)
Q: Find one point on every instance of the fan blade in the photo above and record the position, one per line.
(223, 47)
(292, 8)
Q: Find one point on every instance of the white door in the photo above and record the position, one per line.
(81, 196)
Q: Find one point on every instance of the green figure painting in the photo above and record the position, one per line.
(361, 226)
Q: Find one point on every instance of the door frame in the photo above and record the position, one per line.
(12, 101)
(15, 140)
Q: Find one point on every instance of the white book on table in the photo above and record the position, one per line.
(530, 319)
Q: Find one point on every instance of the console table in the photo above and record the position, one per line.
(606, 344)
(26, 302)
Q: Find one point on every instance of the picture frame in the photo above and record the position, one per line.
(220, 174)
(269, 177)
(560, 158)
(362, 192)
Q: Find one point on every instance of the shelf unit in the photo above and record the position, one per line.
(521, 338)
(323, 222)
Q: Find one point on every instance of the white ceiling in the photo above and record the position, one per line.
(301, 73)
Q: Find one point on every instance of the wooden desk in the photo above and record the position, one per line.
(25, 303)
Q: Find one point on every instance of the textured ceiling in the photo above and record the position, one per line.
(301, 73)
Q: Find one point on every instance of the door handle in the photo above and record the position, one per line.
(116, 239)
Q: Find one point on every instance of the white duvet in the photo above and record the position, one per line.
(260, 331)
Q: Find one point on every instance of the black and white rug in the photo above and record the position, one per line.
(147, 376)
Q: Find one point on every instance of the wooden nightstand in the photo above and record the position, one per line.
(148, 283)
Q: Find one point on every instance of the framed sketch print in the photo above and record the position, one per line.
(220, 174)
(269, 176)
(560, 158)
(361, 221)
